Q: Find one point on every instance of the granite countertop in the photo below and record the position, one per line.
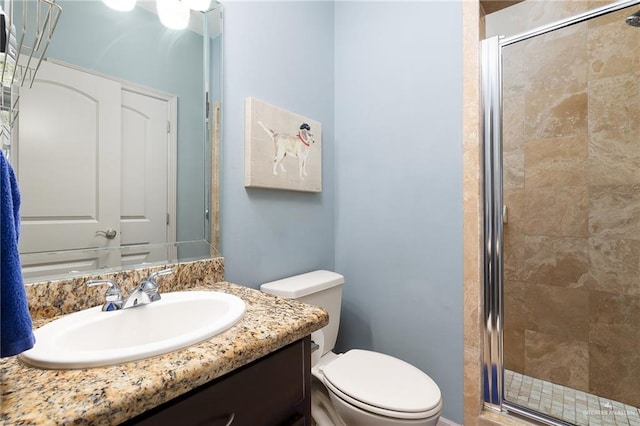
(112, 395)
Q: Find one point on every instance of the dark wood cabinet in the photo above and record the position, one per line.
(274, 390)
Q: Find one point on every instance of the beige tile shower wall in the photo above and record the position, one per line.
(472, 213)
(613, 177)
(572, 187)
(473, 24)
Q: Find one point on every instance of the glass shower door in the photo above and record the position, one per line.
(565, 169)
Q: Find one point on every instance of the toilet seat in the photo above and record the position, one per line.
(382, 384)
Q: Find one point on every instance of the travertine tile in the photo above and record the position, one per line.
(557, 359)
(614, 103)
(572, 184)
(613, 48)
(556, 162)
(471, 214)
(472, 384)
(614, 372)
(614, 157)
(515, 305)
(556, 261)
(613, 17)
(514, 256)
(472, 286)
(556, 211)
(513, 349)
(614, 266)
(471, 303)
(614, 322)
(528, 15)
(491, 418)
(514, 200)
(555, 113)
(557, 61)
(513, 72)
(614, 211)
(470, 418)
(614, 341)
(513, 123)
(558, 311)
(575, 406)
(513, 168)
(471, 176)
(515, 322)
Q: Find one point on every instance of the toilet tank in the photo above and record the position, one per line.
(320, 288)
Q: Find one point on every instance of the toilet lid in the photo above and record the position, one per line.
(382, 381)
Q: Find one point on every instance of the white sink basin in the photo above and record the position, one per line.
(92, 338)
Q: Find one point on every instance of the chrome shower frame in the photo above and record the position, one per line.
(493, 232)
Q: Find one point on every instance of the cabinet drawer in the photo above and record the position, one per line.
(274, 390)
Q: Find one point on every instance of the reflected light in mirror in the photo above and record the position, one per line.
(200, 5)
(173, 14)
(121, 5)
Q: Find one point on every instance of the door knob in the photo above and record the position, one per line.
(109, 233)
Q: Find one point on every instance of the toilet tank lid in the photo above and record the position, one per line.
(304, 284)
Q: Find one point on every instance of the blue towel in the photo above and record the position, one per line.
(16, 332)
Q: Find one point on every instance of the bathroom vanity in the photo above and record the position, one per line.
(257, 372)
(274, 390)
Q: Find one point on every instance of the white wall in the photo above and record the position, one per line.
(390, 214)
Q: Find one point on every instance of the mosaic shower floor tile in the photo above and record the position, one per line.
(570, 405)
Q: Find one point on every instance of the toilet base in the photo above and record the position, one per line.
(322, 411)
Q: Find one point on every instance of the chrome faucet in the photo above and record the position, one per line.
(113, 296)
(147, 292)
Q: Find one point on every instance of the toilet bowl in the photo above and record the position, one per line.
(370, 388)
(359, 387)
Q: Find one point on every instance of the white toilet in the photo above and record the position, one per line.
(358, 387)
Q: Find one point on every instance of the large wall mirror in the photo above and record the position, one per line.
(114, 144)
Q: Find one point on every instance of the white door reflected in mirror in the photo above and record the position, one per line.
(98, 176)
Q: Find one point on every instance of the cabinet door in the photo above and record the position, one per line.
(274, 390)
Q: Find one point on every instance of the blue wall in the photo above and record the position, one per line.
(385, 81)
(399, 198)
(282, 54)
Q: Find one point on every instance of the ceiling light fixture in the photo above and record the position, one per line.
(199, 5)
(173, 14)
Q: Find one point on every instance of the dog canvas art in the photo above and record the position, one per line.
(282, 149)
(296, 146)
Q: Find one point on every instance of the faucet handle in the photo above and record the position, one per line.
(153, 276)
(113, 296)
(150, 286)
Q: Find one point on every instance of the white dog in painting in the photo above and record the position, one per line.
(296, 146)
